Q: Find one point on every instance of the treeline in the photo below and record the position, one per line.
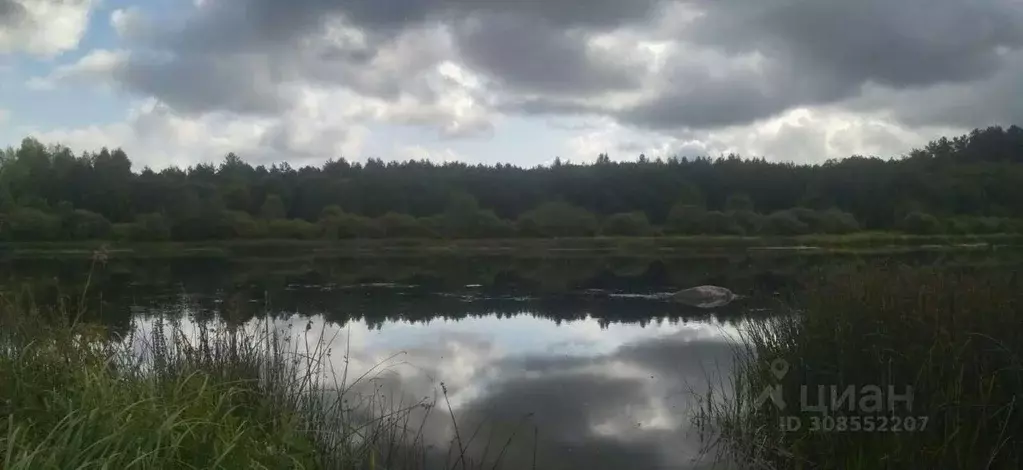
(968, 184)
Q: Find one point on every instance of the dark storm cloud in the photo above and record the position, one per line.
(277, 20)
(11, 12)
(815, 52)
(717, 90)
(526, 45)
(819, 52)
(194, 83)
(537, 56)
(257, 24)
(981, 103)
(548, 105)
(900, 43)
(713, 105)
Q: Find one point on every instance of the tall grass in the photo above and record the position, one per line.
(222, 397)
(956, 338)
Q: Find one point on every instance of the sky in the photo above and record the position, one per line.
(181, 82)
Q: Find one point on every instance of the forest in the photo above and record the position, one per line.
(964, 185)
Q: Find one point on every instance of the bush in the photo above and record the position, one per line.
(150, 227)
(785, 223)
(489, 225)
(125, 231)
(335, 224)
(208, 224)
(558, 219)
(720, 223)
(965, 225)
(292, 229)
(920, 223)
(27, 224)
(750, 222)
(397, 225)
(627, 224)
(84, 225)
(244, 225)
(810, 217)
(686, 219)
(463, 218)
(836, 222)
(988, 225)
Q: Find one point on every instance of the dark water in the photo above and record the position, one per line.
(580, 359)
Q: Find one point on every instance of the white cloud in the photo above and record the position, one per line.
(802, 135)
(155, 136)
(4, 115)
(418, 152)
(45, 28)
(97, 67)
(812, 135)
(682, 78)
(127, 22)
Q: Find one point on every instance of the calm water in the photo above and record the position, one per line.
(600, 396)
(575, 358)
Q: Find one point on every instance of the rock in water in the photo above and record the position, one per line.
(705, 296)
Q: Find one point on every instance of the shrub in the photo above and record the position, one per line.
(125, 231)
(397, 225)
(150, 227)
(686, 219)
(785, 223)
(920, 223)
(244, 225)
(294, 229)
(750, 222)
(335, 224)
(721, 223)
(83, 225)
(558, 219)
(837, 222)
(489, 225)
(627, 224)
(27, 224)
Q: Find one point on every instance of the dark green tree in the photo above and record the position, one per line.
(273, 208)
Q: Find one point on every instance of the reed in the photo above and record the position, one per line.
(253, 396)
(950, 340)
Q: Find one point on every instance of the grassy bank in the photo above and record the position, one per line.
(951, 342)
(222, 398)
(525, 247)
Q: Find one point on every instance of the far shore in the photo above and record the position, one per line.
(662, 246)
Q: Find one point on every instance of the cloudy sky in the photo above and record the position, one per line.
(520, 81)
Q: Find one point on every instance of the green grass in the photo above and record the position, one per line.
(955, 337)
(73, 397)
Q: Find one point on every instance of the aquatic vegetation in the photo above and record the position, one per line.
(892, 367)
(72, 395)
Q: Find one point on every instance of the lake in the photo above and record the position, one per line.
(572, 363)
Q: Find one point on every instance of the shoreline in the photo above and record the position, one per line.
(662, 246)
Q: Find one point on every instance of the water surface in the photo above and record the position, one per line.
(578, 363)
